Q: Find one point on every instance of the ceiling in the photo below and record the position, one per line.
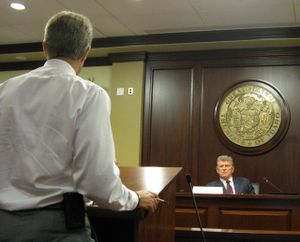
(115, 18)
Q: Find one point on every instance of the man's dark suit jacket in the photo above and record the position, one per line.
(242, 185)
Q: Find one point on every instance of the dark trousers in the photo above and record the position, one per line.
(40, 225)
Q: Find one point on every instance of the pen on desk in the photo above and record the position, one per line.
(161, 200)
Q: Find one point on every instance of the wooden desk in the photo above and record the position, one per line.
(136, 226)
(258, 212)
(184, 234)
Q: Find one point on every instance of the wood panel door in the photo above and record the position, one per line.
(172, 101)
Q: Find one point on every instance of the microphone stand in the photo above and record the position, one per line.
(189, 181)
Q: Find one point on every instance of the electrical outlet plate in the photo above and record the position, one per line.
(130, 91)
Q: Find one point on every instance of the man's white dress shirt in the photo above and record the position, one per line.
(55, 137)
(231, 184)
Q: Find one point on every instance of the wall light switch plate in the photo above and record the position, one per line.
(120, 91)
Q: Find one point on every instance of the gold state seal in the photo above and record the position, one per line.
(250, 116)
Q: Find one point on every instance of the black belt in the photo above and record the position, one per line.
(58, 206)
(55, 206)
(72, 206)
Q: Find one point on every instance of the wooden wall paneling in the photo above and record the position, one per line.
(278, 164)
(170, 127)
(186, 217)
(230, 218)
(265, 211)
(199, 80)
(255, 219)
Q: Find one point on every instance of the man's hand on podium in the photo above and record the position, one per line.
(148, 200)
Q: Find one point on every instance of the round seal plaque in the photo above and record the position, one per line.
(252, 117)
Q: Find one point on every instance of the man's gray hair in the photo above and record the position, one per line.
(68, 34)
(225, 158)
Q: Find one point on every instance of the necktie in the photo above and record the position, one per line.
(229, 189)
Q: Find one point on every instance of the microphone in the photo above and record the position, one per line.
(272, 185)
(189, 181)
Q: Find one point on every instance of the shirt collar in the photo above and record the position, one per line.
(61, 65)
(230, 179)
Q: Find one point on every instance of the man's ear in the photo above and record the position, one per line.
(45, 49)
(81, 61)
(85, 55)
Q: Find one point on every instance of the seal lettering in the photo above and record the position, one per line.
(250, 116)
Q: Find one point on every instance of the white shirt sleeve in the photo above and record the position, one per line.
(95, 173)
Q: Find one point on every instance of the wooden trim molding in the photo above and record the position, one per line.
(29, 65)
(200, 36)
(129, 56)
(184, 234)
(172, 38)
(244, 56)
(24, 65)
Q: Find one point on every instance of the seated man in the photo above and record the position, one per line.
(230, 184)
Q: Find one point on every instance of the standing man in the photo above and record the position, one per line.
(56, 138)
(230, 184)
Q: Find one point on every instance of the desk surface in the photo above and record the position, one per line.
(154, 179)
(241, 196)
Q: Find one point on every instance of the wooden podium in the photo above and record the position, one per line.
(137, 226)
